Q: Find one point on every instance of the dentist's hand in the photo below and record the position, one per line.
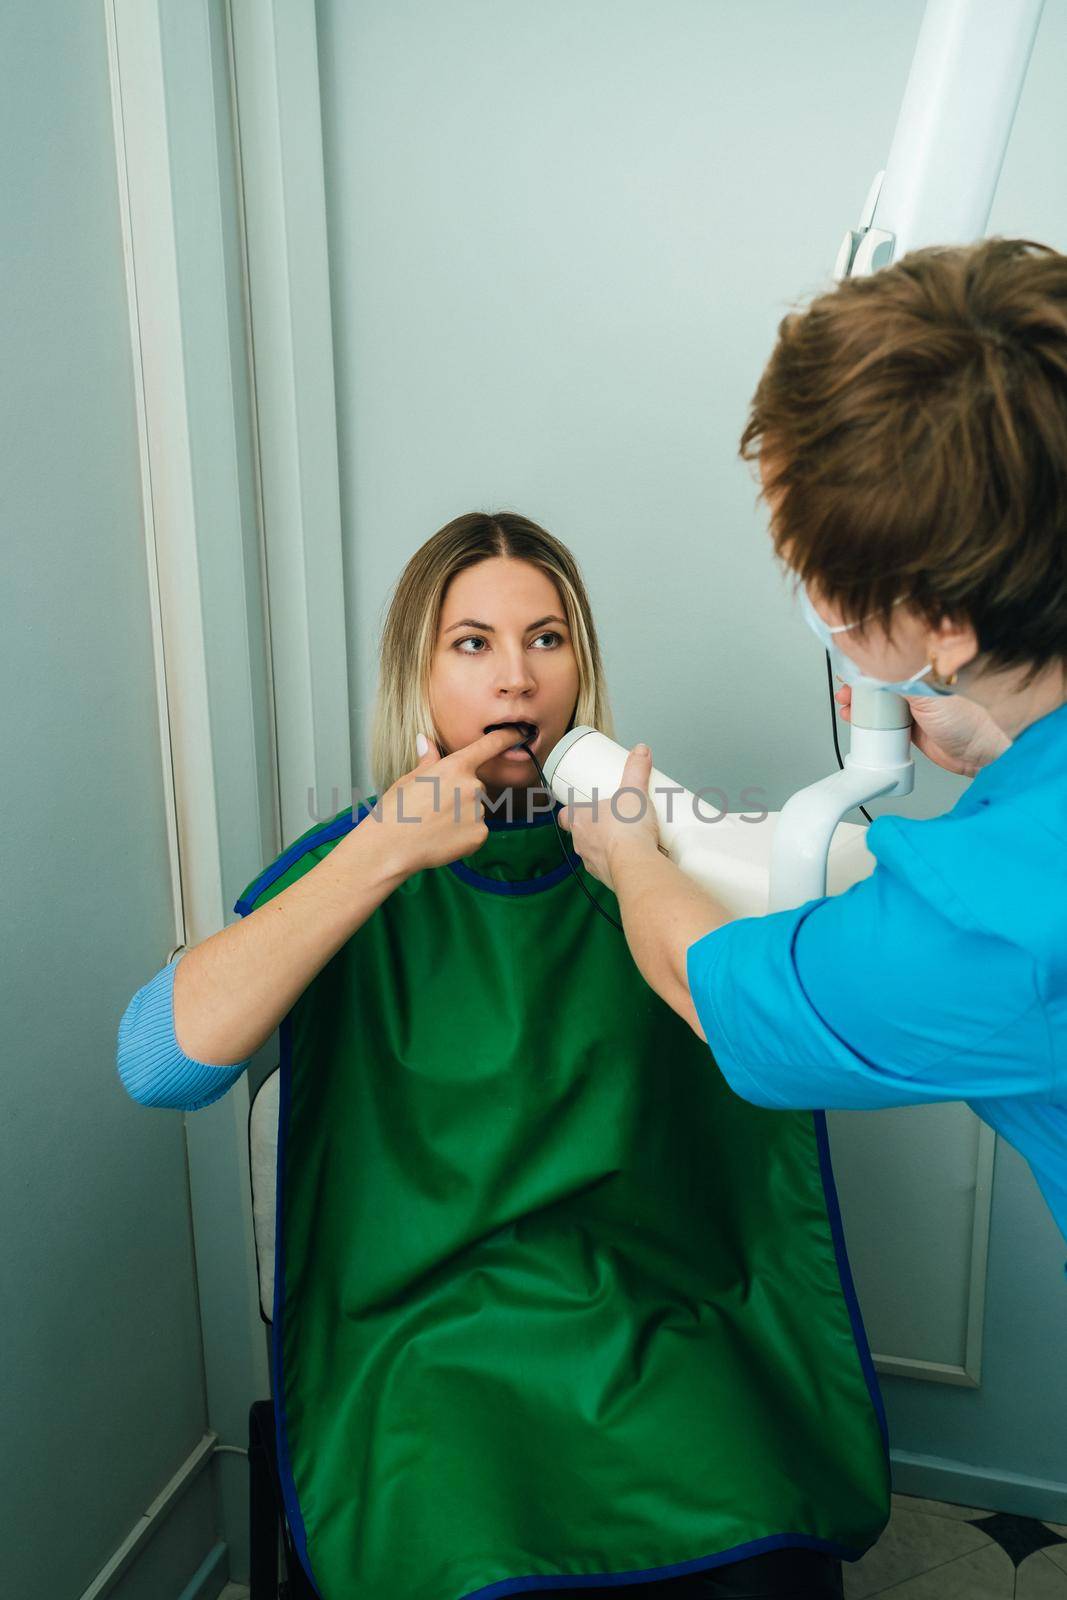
(951, 731)
(599, 837)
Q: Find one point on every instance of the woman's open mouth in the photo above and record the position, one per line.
(527, 732)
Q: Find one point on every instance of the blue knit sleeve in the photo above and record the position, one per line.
(154, 1069)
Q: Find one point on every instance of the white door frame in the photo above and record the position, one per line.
(279, 119)
(235, 794)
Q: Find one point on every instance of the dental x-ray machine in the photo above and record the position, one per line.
(937, 188)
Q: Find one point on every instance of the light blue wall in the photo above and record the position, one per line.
(562, 236)
(101, 1384)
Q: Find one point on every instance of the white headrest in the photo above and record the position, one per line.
(263, 1165)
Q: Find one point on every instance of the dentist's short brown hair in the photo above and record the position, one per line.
(911, 428)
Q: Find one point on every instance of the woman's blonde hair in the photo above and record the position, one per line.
(409, 637)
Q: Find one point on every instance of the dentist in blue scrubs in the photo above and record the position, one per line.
(911, 435)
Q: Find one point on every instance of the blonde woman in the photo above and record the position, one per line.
(554, 1309)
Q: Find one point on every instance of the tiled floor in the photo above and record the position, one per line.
(933, 1551)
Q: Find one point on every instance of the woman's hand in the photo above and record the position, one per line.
(951, 731)
(598, 838)
(428, 824)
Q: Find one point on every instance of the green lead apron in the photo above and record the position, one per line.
(549, 1298)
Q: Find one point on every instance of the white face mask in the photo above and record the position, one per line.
(848, 669)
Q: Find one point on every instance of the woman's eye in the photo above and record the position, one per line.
(477, 638)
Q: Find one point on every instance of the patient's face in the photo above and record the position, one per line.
(503, 654)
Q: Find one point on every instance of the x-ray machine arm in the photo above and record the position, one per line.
(937, 188)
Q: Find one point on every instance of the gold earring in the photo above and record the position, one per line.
(935, 676)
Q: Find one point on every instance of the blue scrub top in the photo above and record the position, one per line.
(942, 976)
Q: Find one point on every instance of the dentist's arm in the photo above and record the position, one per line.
(663, 913)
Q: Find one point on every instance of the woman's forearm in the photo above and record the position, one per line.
(663, 913)
(232, 989)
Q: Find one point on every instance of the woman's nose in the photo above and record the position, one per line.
(516, 673)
